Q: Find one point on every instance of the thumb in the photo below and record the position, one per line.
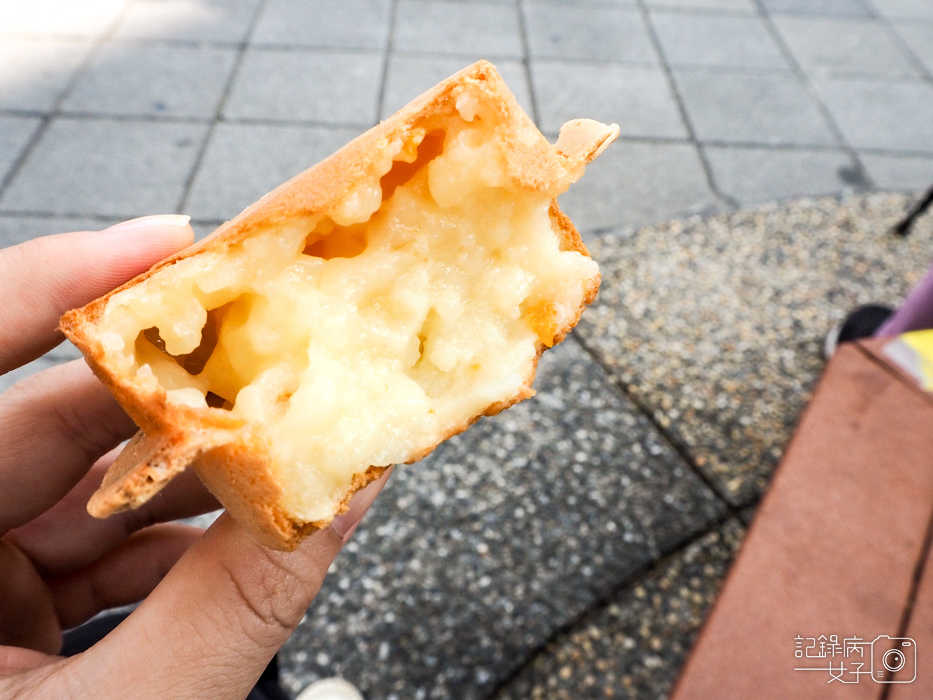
(215, 621)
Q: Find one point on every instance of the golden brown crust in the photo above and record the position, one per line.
(228, 457)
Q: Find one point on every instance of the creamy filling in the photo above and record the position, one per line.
(361, 337)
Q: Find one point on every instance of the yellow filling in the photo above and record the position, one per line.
(361, 337)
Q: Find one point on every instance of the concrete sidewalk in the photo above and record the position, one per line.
(571, 546)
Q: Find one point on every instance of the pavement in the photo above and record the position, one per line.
(572, 546)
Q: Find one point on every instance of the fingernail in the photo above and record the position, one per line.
(177, 220)
(344, 525)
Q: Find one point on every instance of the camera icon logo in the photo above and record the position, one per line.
(893, 655)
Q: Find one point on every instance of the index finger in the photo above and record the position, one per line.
(44, 277)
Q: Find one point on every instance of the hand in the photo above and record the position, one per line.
(219, 605)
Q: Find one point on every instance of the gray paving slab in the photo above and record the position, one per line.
(919, 38)
(717, 325)
(905, 173)
(19, 229)
(634, 646)
(341, 24)
(188, 20)
(752, 175)
(637, 98)
(836, 8)
(15, 133)
(593, 33)
(34, 73)
(891, 115)
(54, 18)
(634, 184)
(139, 80)
(739, 6)
(903, 9)
(107, 168)
(741, 107)
(726, 41)
(333, 87)
(409, 76)
(244, 161)
(837, 45)
(469, 30)
(203, 227)
(747, 515)
(474, 557)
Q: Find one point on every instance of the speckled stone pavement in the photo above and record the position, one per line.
(571, 546)
(716, 326)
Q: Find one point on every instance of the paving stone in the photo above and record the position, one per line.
(769, 108)
(188, 20)
(33, 74)
(840, 45)
(334, 87)
(903, 9)
(19, 229)
(740, 6)
(919, 37)
(342, 24)
(634, 184)
(753, 175)
(716, 325)
(107, 168)
(474, 557)
(409, 76)
(203, 227)
(906, 173)
(153, 80)
(839, 8)
(15, 133)
(55, 18)
(470, 30)
(637, 98)
(594, 33)
(724, 41)
(890, 115)
(747, 515)
(244, 161)
(634, 646)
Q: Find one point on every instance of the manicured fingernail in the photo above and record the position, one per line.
(177, 220)
(344, 525)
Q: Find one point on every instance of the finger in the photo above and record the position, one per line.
(66, 538)
(55, 425)
(125, 575)
(27, 616)
(218, 617)
(42, 278)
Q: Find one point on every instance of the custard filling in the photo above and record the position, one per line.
(363, 336)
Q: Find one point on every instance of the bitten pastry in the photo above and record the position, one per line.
(353, 318)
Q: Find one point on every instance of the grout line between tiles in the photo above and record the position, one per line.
(221, 103)
(526, 60)
(665, 433)
(628, 583)
(48, 116)
(860, 180)
(681, 107)
(387, 54)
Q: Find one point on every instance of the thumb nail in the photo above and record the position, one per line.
(176, 220)
(345, 524)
